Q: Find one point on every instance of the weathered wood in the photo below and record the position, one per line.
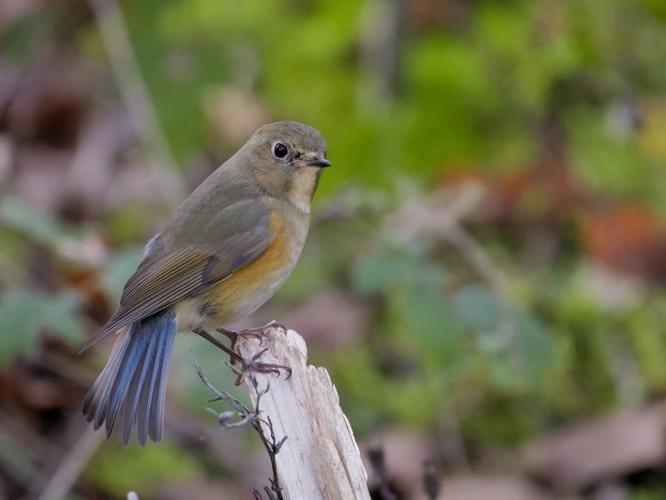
(320, 458)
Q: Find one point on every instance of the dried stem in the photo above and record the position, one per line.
(247, 416)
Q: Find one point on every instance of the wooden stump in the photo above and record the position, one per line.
(320, 458)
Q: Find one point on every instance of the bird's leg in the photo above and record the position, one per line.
(257, 333)
(234, 336)
(247, 365)
(235, 357)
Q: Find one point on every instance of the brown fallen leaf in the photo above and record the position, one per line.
(38, 174)
(201, 489)
(529, 195)
(51, 100)
(629, 239)
(487, 487)
(32, 387)
(606, 447)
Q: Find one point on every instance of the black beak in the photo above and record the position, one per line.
(319, 162)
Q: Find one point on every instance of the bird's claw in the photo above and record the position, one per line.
(254, 365)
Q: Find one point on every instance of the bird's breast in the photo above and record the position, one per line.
(248, 288)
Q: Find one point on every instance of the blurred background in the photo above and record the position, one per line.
(485, 273)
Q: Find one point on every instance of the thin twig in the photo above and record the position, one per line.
(247, 416)
(469, 248)
(442, 218)
(273, 448)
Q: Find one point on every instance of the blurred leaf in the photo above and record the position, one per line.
(478, 308)
(23, 218)
(645, 329)
(15, 458)
(428, 318)
(23, 314)
(121, 469)
(393, 268)
(119, 268)
(610, 165)
(657, 7)
(414, 400)
(532, 349)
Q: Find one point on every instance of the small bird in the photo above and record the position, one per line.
(225, 252)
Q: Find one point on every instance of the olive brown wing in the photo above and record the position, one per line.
(235, 237)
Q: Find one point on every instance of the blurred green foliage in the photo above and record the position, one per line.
(471, 94)
(478, 94)
(146, 469)
(23, 314)
(39, 227)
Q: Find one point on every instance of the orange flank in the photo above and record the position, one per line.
(228, 299)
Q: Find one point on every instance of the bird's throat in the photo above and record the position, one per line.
(303, 186)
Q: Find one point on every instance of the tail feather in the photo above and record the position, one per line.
(160, 393)
(130, 364)
(97, 396)
(156, 405)
(134, 392)
(132, 387)
(146, 394)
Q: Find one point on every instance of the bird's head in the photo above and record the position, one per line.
(286, 159)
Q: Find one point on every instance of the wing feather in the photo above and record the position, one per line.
(234, 238)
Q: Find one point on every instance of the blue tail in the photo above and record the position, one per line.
(132, 386)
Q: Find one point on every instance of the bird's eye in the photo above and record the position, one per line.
(280, 151)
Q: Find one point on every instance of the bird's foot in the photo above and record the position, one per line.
(254, 365)
(246, 365)
(257, 333)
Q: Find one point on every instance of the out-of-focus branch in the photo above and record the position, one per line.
(440, 219)
(381, 41)
(59, 485)
(137, 99)
(241, 416)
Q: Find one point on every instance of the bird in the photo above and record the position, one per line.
(226, 250)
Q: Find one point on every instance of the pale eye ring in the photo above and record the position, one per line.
(280, 150)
